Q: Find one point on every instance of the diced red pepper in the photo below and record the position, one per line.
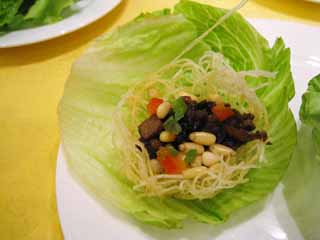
(171, 164)
(153, 105)
(222, 112)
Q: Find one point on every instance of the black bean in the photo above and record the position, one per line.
(247, 124)
(213, 118)
(196, 125)
(210, 105)
(232, 132)
(233, 121)
(248, 116)
(232, 143)
(238, 134)
(155, 143)
(205, 105)
(262, 135)
(182, 137)
(201, 115)
(202, 105)
(152, 152)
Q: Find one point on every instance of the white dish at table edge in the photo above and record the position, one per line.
(89, 11)
(83, 218)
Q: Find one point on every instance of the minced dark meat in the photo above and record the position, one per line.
(239, 134)
(233, 132)
(152, 146)
(150, 127)
(155, 143)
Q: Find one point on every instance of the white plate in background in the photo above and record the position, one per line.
(314, 1)
(88, 11)
(82, 217)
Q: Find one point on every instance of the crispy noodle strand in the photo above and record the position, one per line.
(211, 76)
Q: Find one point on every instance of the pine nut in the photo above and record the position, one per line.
(155, 166)
(153, 93)
(185, 147)
(184, 94)
(222, 149)
(202, 138)
(209, 158)
(166, 136)
(163, 110)
(197, 162)
(193, 172)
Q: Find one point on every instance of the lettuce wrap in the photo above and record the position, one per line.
(118, 60)
(301, 182)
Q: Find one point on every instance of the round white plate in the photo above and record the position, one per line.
(83, 218)
(88, 11)
(314, 1)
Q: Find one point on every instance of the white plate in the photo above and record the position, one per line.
(314, 1)
(88, 11)
(83, 218)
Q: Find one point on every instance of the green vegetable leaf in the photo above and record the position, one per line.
(301, 184)
(310, 108)
(48, 11)
(8, 11)
(314, 84)
(39, 13)
(179, 108)
(171, 125)
(173, 151)
(125, 55)
(115, 61)
(190, 156)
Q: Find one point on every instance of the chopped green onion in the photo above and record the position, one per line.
(171, 125)
(173, 151)
(190, 156)
(179, 108)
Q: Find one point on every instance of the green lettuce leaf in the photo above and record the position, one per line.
(310, 108)
(97, 81)
(239, 42)
(116, 60)
(32, 14)
(301, 184)
(48, 11)
(8, 10)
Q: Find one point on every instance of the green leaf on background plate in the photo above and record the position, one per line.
(20, 14)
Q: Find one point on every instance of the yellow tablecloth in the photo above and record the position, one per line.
(31, 84)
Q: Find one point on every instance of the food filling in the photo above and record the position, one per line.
(186, 134)
(191, 129)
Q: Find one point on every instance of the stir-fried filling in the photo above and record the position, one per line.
(187, 133)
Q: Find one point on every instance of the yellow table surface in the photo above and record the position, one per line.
(31, 84)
